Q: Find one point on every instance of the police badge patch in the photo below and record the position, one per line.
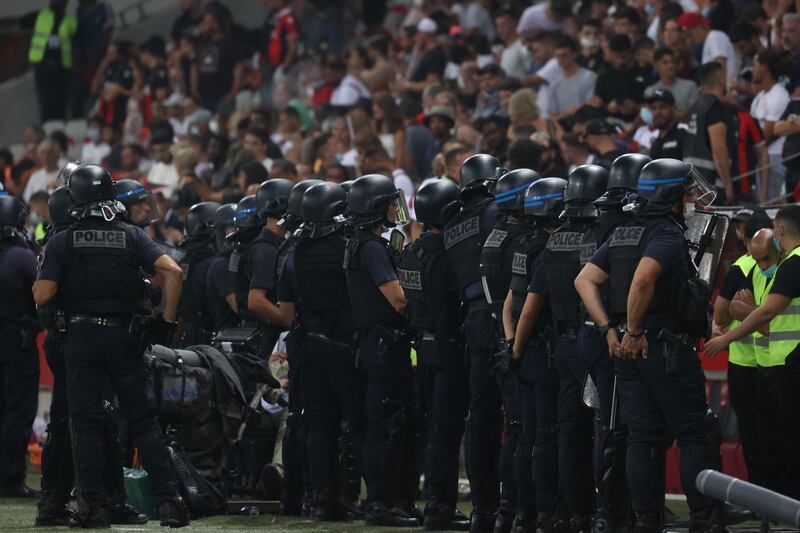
(495, 238)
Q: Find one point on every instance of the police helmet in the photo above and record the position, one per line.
(224, 224)
(322, 203)
(138, 201)
(89, 184)
(622, 179)
(346, 185)
(436, 202)
(663, 182)
(544, 197)
(509, 192)
(200, 218)
(294, 213)
(479, 170)
(59, 205)
(272, 198)
(12, 212)
(246, 215)
(67, 170)
(584, 185)
(369, 201)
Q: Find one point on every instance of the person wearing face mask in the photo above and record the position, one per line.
(779, 364)
(659, 378)
(591, 55)
(671, 134)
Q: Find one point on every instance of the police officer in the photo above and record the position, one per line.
(313, 292)
(464, 236)
(433, 310)
(528, 329)
(496, 270)
(378, 303)
(659, 378)
(19, 365)
(93, 270)
(220, 296)
(140, 206)
(195, 317)
(610, 446)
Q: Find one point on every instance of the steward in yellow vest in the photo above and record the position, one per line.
(47, 35)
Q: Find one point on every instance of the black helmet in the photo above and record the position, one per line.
(294, 213)
(12, 212)
(622, 179)
(509, 192)
(223, 223)
(545, 197)
(246, 215)
(89, 184)
(67, 170)
(272, 198)
(131, 193)
(585, 185)
(370, 197)
(479, 170)
(59, 205)
(436, 202)
(663, 182)
(322, 203)
(200, 218)
(346, 185)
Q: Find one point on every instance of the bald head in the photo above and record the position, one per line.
(763, 250)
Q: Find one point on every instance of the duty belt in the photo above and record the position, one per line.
(324, 338)
(87, 320)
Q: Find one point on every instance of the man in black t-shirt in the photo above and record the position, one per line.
(620, 88)
(429, 68)
(669, 142)
(217, 55)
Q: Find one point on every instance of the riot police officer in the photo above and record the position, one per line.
(433, 310)
(313, 292)
(610, 446)
(93, 270)
(527, 323)
(496, 271)
(19, 363)
(220, 296)
(378, 303)
(464, 236)
(140, 206)
(195, 317)
(562, 262)
(654, 300)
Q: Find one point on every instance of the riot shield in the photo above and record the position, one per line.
(706, 235)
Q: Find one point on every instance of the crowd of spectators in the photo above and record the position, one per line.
(338, 89)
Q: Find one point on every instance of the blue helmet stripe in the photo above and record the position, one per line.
(661, 182)
(130, 193)
(512, 191)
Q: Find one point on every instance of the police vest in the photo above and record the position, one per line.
(238, 264)
(16, 301)
(522, 271)
(41, 35)
(370, 307)
(600, 231)
(784, 329)
(102, 275)
(193, 308)
(761, 287)
(743, 352)
(496, 275)
(562, 263)
(696, 147)
(283, 252)
(625, 249)
(464, 236)
(428, 305)
(222, 314)
(323, 303)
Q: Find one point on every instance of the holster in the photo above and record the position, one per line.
(673, 343)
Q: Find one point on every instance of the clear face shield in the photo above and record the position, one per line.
(698, 187)
(144, 212)
(221, 233)
(398, 209)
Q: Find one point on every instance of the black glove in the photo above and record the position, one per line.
(160, 331)
(503, 361)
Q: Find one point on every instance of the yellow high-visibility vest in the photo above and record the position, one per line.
(761, 287)
(784, 329)
(41, 34)
(743, 352)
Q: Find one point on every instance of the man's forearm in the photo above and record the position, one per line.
(173, 285)
(264, 309)
(740, 310)
(639, 297)
(722, 163)
(590, 294)
(756, 320)
(508, 326)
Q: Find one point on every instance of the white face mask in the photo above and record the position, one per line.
(688, 210)
(589, 42)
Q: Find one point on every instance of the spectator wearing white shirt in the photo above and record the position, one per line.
(684, 91)
(767, 108)
(549, 16)
(44, 179)
(476, 18)
(547, 70)
(716, 44)
(163, 172)
(576, 85)
(515, 59)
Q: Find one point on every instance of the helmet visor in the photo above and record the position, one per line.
(702, 191)
(144, 212)
(398, 205)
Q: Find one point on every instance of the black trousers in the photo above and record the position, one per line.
(19, 389)
(484, 420)
(296, 480)
(442, 378)
(392, 414)
(784, 384)
(96, 355)
(575, 429)
(53, 83)
(333, 411)
(655, 403)
(745, 400)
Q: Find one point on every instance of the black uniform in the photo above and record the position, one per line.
(433, 310)
(19, 362)
(384, 358)
(666, 391)
(219, 284)
(705, 112)
(464, 237)
(96, 266)
(194, 310)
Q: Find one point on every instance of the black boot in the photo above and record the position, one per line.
(505, 517)
(648, 523)
(99, 518)
(524, 522)
(550, 523)
(173, 513)
(708, 520)
(327, 507)
(444, 517)
(380, 515)
(480, 522)
(53, 517)
(122, 513)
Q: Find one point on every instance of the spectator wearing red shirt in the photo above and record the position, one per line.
(284, 34)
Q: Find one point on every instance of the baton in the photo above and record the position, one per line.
(612, 424)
